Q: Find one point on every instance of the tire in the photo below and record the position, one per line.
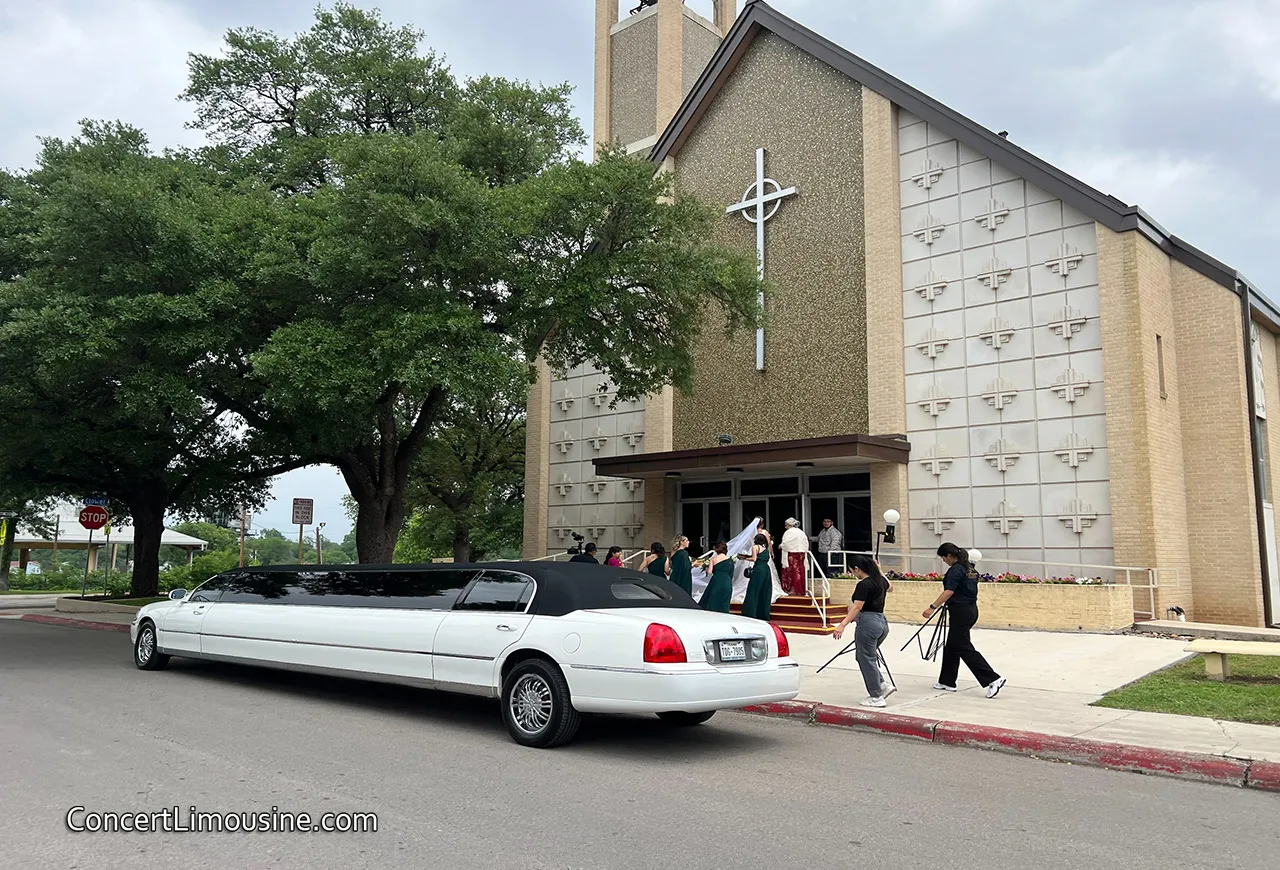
(145, 655)
(536, 705)
(683, 719)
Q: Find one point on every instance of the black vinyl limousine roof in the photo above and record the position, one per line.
(561, 587)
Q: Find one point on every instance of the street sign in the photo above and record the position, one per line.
(303, 510)
(95, 502)
(93, 517)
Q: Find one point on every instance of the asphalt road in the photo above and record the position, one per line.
(79, 726)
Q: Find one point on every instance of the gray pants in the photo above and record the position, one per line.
(870, 630)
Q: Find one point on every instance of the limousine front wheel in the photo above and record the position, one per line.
(145, 653)
(536, 705)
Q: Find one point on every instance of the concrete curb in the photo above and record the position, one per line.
(74, 623)
(1240, 772)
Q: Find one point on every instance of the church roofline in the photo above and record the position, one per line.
(1104, 208)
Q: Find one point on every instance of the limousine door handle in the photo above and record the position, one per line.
(506, 628)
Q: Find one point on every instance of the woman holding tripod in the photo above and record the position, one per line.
(960, 596)
(872, 628)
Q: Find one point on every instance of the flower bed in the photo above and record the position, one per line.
(1006, 577)
(1047, 604)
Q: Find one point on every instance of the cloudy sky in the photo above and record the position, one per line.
(1170, 104)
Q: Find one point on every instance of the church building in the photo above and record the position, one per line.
(958, 331)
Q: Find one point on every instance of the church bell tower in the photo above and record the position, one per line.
(649, 54)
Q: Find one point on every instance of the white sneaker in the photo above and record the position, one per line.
(873, 702)
(943, 688)
(887, 688)
(994, 688)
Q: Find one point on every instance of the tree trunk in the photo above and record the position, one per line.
(378, 523)
(148, 526)
(461, 544)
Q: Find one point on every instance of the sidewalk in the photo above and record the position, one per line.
(1043, 709)
(27, 601)
(100, 621)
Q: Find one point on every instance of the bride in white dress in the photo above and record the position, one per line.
(740, 544)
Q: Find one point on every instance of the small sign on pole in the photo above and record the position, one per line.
(95, 502)
(303, 511)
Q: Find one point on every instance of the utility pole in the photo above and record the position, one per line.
(244, 523)
(319, 526)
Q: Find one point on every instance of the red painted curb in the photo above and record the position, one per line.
(872, 720)
(74, 623)
(1184, 765)
(784, 709)
(1264, 775)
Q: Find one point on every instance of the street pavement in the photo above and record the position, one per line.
(81, 726)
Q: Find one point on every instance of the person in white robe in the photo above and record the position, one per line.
(740, 544)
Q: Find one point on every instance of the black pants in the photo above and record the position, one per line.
(959, 647)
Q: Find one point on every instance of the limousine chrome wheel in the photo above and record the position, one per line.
(536, 705)
(145, 654)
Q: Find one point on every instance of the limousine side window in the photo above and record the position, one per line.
(413, 590)
(500, 591)
(418, 590)
(211, 590)
(256, 587)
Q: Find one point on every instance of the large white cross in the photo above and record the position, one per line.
(934, 402)
(757, 199)
(937, 520)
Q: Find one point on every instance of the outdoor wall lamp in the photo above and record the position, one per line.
(891, 518)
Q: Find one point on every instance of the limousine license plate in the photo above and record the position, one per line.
(733, 650)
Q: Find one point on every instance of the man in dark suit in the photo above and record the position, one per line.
(588, 554)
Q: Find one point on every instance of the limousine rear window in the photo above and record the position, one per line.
(634, 591)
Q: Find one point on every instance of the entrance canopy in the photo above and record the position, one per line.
(838, 451)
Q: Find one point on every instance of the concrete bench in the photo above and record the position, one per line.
(1216, 651)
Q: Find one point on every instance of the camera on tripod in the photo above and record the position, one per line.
(577, 545)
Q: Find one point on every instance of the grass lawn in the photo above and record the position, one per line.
(1252, 694)
(138, 602)
(39, 591)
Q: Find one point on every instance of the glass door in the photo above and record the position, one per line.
(718, 524)
(693, 525)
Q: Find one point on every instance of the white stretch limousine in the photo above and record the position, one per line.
(551, 640)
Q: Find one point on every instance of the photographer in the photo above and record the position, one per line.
(960, 595)
(871, 630)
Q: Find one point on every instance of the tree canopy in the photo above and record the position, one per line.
(431, 235)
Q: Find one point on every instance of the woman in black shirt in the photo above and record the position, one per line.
(871, 630)
(960, 595)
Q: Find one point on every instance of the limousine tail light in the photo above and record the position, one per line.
(784, 647)
(662, 645)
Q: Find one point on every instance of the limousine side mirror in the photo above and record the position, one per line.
(178, 594)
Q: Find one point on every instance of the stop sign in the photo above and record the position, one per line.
(93, 517)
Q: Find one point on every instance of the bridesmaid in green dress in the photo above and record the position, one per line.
(758, 600)
(681, 565)
(655, 561)
(719, 591)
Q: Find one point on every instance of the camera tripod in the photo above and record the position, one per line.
(936, 641)
(879, 656)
